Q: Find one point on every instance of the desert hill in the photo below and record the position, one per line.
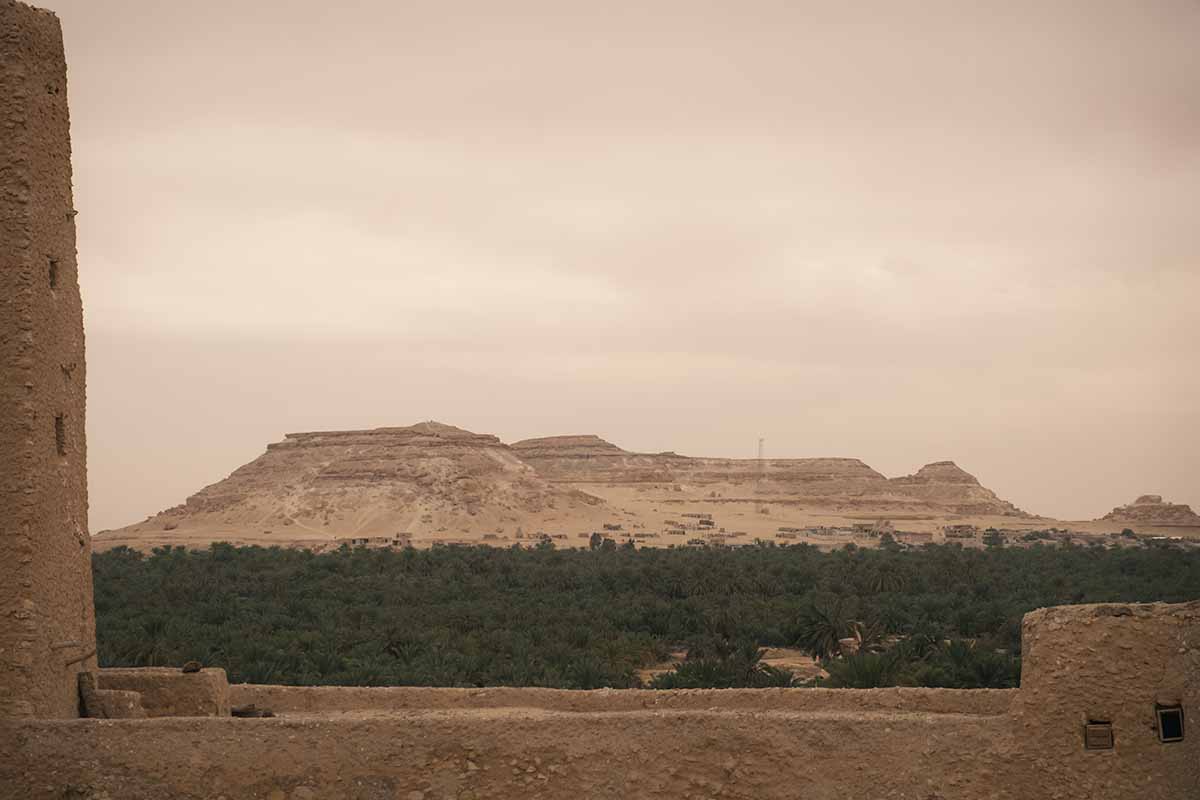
(1150, 509)
(432, 482)
(840, 483)
(429, 479)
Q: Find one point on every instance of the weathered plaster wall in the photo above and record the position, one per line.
(518, 753)
(168, 692)
(1111, 663)
(46, 614)
(318, 699)
(1107, 661)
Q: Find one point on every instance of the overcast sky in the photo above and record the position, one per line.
(901, 232)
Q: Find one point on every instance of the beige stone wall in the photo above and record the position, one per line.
(1110, 663)
(325, 699)
(46, 614)
(169, 692)
(1082, 662)
(517, 752)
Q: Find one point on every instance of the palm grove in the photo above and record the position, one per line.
(476, 616)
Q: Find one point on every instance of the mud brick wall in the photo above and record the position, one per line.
(47, 627)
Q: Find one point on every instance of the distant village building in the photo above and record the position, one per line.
(959, 531)
(397, 540)
(821, 530)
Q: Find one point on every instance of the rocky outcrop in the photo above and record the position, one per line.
(841, 483)
(946, 485)
(433, 482)
(428, 477)
(1152, 510)
(585, 447)
(590, 459)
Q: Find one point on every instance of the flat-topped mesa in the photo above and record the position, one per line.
(582, 446)
(590, 459)
(1152, 510)
(586, 458)
(438, 482)
(800, 477)
(423, 479)
(423, 434)
(840, 483)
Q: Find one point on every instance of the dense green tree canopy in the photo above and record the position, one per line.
(471, 616)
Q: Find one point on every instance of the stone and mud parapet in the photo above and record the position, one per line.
(1116, 664)
(322, 699)
(167, 692)
(516, 752)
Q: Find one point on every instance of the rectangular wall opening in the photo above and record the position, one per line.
(60, 434)
(1098, 735)
(53, 274)
(1170, 723)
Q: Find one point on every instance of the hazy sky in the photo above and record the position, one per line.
(902, 232)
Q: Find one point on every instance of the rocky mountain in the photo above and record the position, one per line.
(434, 482)
(422, 479)
(943, 484)
(1150, 509)
(841, 483)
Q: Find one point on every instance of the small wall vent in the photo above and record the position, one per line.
(53, 274)
(1098, 735)
(1170, 723)
(60, 434)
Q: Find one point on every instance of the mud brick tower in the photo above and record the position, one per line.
(47, 620)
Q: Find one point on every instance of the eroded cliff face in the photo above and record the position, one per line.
(944, 484)
(436, 482)
(838, 483)
(590, 459)
(1151, 509)
(339, 484)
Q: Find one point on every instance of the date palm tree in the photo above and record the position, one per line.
(820, 626)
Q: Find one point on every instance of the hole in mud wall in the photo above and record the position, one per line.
(1170, 723)
(60, 434)
(53, 274)
(1098, 735)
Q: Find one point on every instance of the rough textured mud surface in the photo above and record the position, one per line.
(47, 626)
(167, 692)
(1114, 664)
(311, 699)
(1117, 663)
(519, 753)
